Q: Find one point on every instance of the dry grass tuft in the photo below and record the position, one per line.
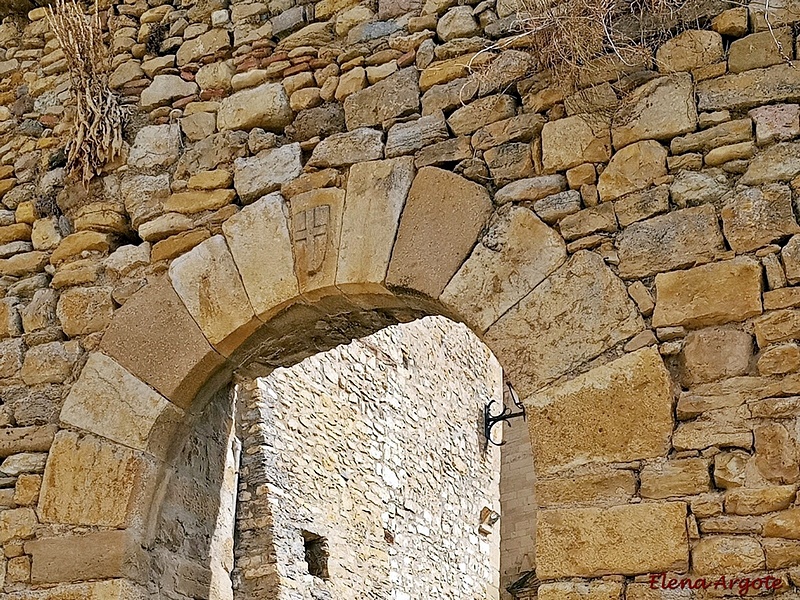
(100, 117)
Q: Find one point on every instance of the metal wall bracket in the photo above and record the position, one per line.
(490, 420)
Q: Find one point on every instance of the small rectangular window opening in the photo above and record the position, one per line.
(316, 554)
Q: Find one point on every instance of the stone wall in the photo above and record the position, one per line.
(296, 176)
(377, 447)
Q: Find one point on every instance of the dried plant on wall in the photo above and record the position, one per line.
(99, 119)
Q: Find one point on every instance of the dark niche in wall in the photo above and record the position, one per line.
(316, 554)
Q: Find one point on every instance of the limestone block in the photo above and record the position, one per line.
(629, 540)
(144, 196)
(755, 217)
(266, 172)
(96, 555)
(77, 243)
(26, 439)
(211, 42)
(85, 310)
(779, 360)
(407, 138)
(780, 83)
(470, 118)
(595, 219)
(88, 481)
(110, 402)
(572, 424)
(659, 110)
(759, 501)
(196, 201)
(566, 590)
(315, 229)
(675, 478)
(556, 207)
(114, 589)
(776, 453)
(267, 270)
(376, 195)
(571, 326)
(11, 356)
(443, 216)
(571, 141)
(514, 256)
(707, 432)
(675, 240)
(777, 326)
(531, 189)
(776, 123)
(449, 96)
(781, 554)
(633, 168)
(165, 89)
(522, 128)
(780, 162)
(641, 205)
(724, 134)
(265, 106)
(714, 353)
(727, 554)
(18, 523)
(689, 50)
(712, 294)
(393, 97)
(759, 50)
(209, 285)
(25, 462)
(153, 324)
(785, 524)
(509, 162)
(155, 146)
(604, 486)
(50, 362)
(457, 22)
(345, 149)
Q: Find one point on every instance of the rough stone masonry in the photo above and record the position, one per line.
(300, 174)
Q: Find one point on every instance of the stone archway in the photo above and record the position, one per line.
(235, 299)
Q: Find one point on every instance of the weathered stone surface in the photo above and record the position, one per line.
(208, 283)
(468, 119)
(590, 220)
(565, 590)
(570, 425)
(449, 151)
(779, 360)
(267, 171)
(632, 539)
(724, 134)
(675, 478)
(762, 49)
(443, 216)
(759, 501)
(395, 96)
(155, 146)
(633, 168)
(694, 188)
(444, 71)
(376, 195)
(522, 128)
(710, 354)
(531, 189)
(165, 89)
(505, 70)
(641, 205)
(777, 326)
(780, 83)
(659, 110)
(780, 162)
(24, 462)
(17, 524)
(91, 482)
(211, 42)
(85, 310)
(266, 106)
(555, 207)
(781, 554)
(153, 324)
(316, 255)
(457, 22)
(678, 239)
(516, 254)
(26, 439)
(724, 554)
(709, 295)
(509, 162)
(776, 123)
(776, 453)
(755, 217)
(571, 327)
(345, 149)
(49, 363)
(267, 270)
(785, 524)
(144, 196)
(113, 589)
(407, 138)
(689, 50)
(572, 141)
(602, 485)
(94, 555)
(110, 402)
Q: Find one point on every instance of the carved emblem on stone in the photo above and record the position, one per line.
(310, 227)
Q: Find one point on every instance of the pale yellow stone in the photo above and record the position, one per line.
(617, 412)
(727, 554)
